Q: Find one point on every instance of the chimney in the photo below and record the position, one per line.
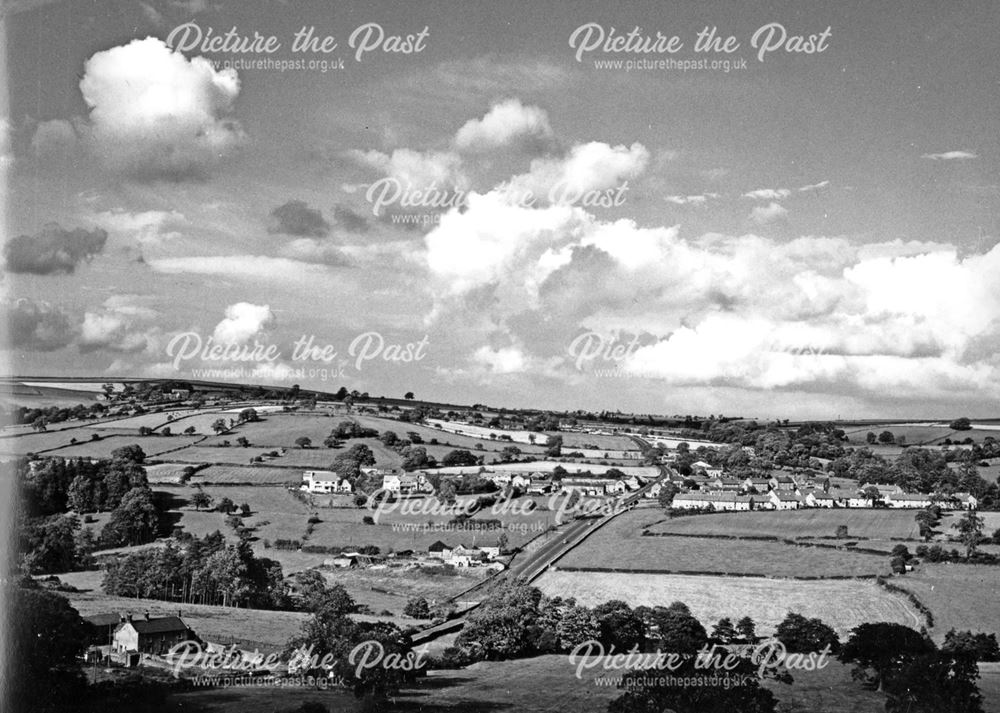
(147, 615)
(128, 617)
(121, 618)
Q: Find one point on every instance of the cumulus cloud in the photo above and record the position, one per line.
(119, 325)
(316, 251)
(155, 114)
(507, 123)
(762, 215)
(244, 321)
(54, 137)
(838, 317)
(349, 220)
(297, 218)
(768, 194)
(416, 169)
(951, 156)
(37, 326)
(150, 226)
(594, 166)
(53, 250)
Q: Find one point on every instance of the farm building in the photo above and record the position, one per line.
(150, 635)
(325, 482)
(584, 486)
(761, 485)
(716, 500)
(102, 627)
(440, 550)
(463, 556)
(819, 499)
(400, 484)
(960, 501)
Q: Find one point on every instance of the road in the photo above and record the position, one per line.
(534, 564)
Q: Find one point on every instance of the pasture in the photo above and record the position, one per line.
(810, 523)
(843, 604)
(960, 596)
(619, 545)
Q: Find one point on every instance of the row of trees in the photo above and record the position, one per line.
(199, 571)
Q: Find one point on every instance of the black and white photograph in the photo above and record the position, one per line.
(499, 356)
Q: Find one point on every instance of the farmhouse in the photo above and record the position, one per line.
(150, 635)
(654, 491)
(884, 490)
(440, 550)
(325, 482)
(960, 501)
(707, 468)
(102, 627)
(539, 486)
(584, 486)
(782, 483)
(761, 485)
(463, 556)
(400, 484)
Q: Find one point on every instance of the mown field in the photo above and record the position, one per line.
(814, 522)
(843, 604)
(253, 474)
(619, 545)
(960, 596)
(383, 587)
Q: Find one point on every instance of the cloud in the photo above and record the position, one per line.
(253, 267)
(151, 226)
(316, 251)
(769, 213)
(53, 250)
(697, 201)
(508, 122)
(36, 326)
(297, 218)
(349, 220)
(416, 169)
(768, 194)
(506, 360)
(814, 187)
(244, 321)
(593, 166)
(951, 156)
(155, 114)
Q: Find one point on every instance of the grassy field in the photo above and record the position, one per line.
(389, 588)
(843, 604)
(254, 474)
(814, 522)
(619, 545)
(959, 596)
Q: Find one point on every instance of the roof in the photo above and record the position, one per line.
(159, 625)
(911, 496)
(438, 547)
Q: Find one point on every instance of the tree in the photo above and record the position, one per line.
(130, 454)
(189, 431)
(303, 441)
(960, 424)
(724, 632)
(980, 647)
(219, 426)
(243, 442)
(408, 396)
(459, 457)
(883, 647)
(841, 532)
(200, 499)
(667, 492)
(970, 531)
(870, 438)
(45, 639)
(502, 542)
(802, 635)
(447, 491)
(417, 608)
(872, 494)
(553, 446)
(927, 520)
(134, 521)
(886, 438)
(746, 629)
(249, 414)
(933, 682)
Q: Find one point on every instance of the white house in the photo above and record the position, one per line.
(960, 501)
(819, 499)
(400, 484)
(585, 486)
(908, 500)
(715, 500)
(463, 556)
(325, 482)
(654, 490)
(784, 500)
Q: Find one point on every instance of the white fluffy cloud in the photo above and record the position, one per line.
(594, 166)
(120, 325)
(836, 316)
(417, 169)
(506, 123)
(155, 114)
(244, 321)
(151, 226)
(951, 156)
(697, 201)
(764, 214)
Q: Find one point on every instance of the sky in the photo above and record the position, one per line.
(525, 204)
